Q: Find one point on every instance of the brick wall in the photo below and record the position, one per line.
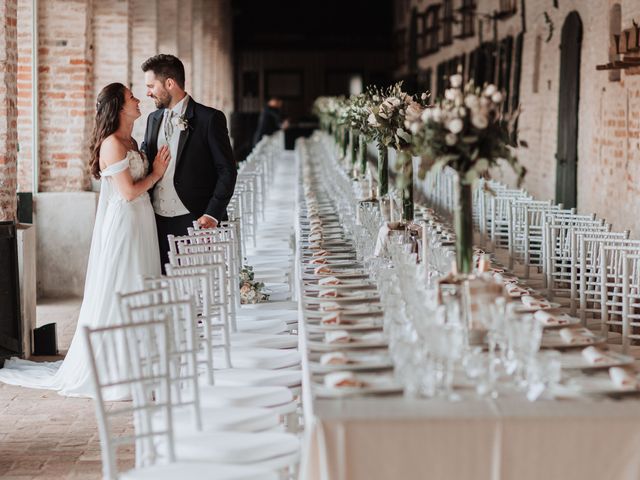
(85, 44)
(66, 93)
(609, 111)
(144, 44)
(111, 43)
(8, 108)
(25, 114)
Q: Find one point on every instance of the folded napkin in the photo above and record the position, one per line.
(320, 253)
(623, 379)
(533, 302)
(328, 293)
(330, 306)
(595, 356)
(323, 270)
(329, 281)
(571, 336)
(332, 319)
(316, 229)
(318, 261)
(337, 336)
(334, 358)
(341, 379)
(515, 290)
(547, 319)
(315, 237)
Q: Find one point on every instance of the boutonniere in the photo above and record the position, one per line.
(181, 122)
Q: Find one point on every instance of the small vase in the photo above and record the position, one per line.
(463, 223)
(406, 165)
(383, 170)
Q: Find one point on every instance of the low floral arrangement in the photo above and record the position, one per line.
(250, 290)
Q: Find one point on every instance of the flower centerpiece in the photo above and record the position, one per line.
(467, 131)
(250, 290)
(387, 117)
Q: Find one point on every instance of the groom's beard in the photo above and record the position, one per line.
(162, 102)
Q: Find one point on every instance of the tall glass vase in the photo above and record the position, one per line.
(406, 165)
(345, 142)
(355, 147)
(383, 170)
(463, 223)
(362, 155)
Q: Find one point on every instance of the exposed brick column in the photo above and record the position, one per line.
(8, 109)
(66, 94)
(168, 26)
(112, 43)
(185, 40)
(198, 50)
(144, 44)
(217, 66)
(25, 112)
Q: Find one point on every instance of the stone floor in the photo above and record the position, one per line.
(44, 435)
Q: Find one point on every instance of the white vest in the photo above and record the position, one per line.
(166, 202)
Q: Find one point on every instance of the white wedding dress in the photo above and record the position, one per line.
(123, 247)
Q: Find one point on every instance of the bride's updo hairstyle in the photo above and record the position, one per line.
(110, 102)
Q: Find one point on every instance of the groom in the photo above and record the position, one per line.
(201, 176)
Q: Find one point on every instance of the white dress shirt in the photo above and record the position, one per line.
(166, 202)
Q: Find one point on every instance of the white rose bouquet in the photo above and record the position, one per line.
(467, 131)
(464, 130)
(250, 290)
(387, 117)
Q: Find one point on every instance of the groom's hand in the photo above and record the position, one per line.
(206, 221)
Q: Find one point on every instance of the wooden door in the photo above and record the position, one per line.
(567, 152)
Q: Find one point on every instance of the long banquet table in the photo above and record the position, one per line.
(390, 436)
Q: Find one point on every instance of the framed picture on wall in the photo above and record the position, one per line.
(285, 84)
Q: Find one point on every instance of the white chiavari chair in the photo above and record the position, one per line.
(136, 356)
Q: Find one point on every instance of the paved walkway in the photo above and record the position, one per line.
(44, 435)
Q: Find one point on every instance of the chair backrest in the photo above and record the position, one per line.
(630, 298)
(179, 313)
(132, 357)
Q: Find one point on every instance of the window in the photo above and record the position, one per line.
(507, 8)
(428, 28)
(468, 13)
(446, 37)
(400, 41)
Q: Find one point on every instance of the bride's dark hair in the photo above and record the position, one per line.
(110, 102)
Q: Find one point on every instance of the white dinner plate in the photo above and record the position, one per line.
(359, 325)
(357, 361)
(573, 359)
(358, 340)
(590, 385)
(349, 310)
(373, 385)
(552, 339)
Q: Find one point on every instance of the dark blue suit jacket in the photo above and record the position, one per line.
(205, 174)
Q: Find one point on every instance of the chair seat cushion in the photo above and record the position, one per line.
(198, 470)
(234, 447)
(231, 419)
(256, 357)
(244, 396)
(258, 377)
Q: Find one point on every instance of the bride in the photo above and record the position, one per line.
(123, 247)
